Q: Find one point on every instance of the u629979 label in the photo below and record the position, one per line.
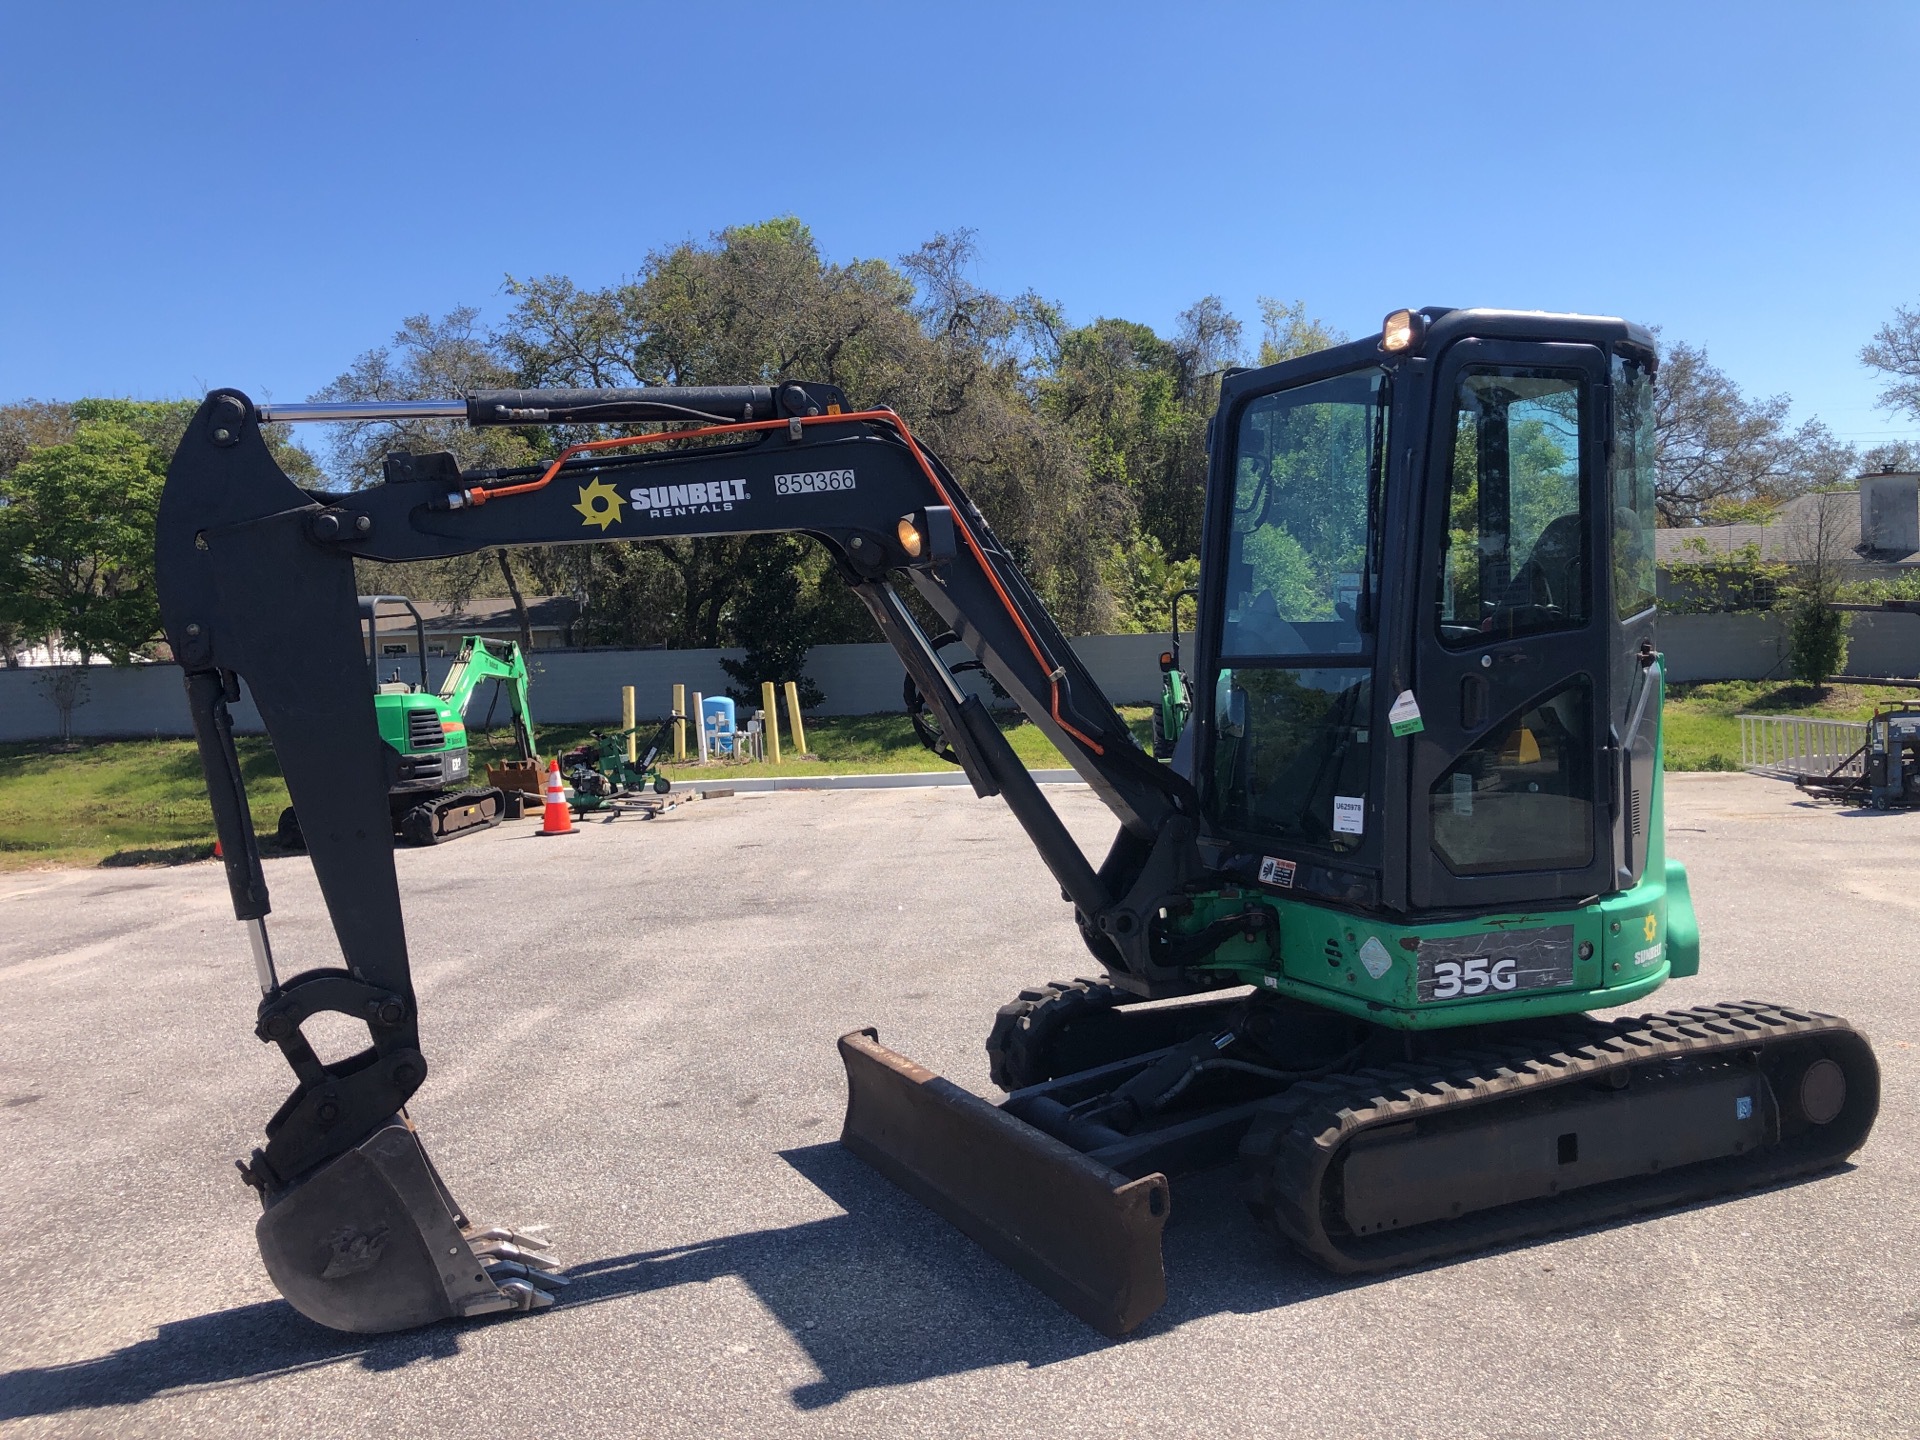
(1461, 967)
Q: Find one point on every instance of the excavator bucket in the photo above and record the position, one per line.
(522, 776)
(1086, 1235)
(372, 1242)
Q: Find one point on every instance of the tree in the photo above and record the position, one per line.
(1819, 546)
(30, 425)
(24, 427)
(44, 581)
(428, 359)
(1146, 582)
(66, 686)
(1710, 580)
(1893, 455)
(1086, 446)
(759, 303)
(1135, 407)
(1288, 332)
(77, 522)
(1713, 445)
(756, 304)
(1894, 351)
(771, 621)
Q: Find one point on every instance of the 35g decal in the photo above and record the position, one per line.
(1474, 976)
(1463, 967)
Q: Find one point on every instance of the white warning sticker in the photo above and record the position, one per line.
(1349, 814)
(1375, 957)
(1404, 715)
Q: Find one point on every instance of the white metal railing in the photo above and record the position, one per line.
(1800, 745)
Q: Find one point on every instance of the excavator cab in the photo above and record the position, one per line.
(1428, 627)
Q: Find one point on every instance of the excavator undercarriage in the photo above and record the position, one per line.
(1380, 1155)
(1352, 931)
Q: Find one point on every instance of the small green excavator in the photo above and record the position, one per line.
(1351, 936)
(423, 732)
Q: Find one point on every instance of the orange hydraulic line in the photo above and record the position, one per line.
(480, 496)
(1053, 672)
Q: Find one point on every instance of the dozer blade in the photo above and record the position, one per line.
(1086, 1235)
(372, 1242)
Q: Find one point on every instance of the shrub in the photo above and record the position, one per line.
(1816, 640)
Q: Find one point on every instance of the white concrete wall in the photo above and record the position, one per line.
(1722, 647)
(1884, 642)
(578, 687)
(1754, 647)
(582, 687)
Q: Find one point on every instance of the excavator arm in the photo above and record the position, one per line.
(256, 579)
(482, 659)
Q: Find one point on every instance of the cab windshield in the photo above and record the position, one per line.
(1294, 689)
(1306, 486)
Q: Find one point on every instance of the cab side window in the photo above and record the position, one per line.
(1515, 556)
(1634, 516)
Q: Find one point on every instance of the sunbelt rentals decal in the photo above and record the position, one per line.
(601, 505)
(715, 497)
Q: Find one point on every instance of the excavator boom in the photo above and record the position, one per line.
(255, 571)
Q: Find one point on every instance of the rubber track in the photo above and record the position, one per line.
(442, 807)
(1290, 1153)
(1020, 1044)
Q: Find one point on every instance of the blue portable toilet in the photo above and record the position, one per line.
(716, 714)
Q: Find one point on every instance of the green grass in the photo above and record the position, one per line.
(844, 745)
(142, 802)
(124, 802)
(1703, 728)
(134, 802)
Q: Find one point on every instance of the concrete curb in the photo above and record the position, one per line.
(910, 779)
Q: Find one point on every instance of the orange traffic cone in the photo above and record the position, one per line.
(216, 849)
(558, 819)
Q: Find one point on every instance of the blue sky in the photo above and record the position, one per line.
(252, 195)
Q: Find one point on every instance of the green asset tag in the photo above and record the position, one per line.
(1404, 716)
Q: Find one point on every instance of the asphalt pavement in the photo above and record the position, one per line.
(631, 1035)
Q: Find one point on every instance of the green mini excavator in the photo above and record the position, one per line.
(423, 732)
(1350, 936)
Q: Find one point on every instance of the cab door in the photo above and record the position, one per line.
(1510, 805)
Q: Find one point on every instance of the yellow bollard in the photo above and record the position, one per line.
(626, 721)
(680, 726)
(770, 723)
(798, 730)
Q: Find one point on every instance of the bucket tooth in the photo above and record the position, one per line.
(1086, 1235)
(371, 1242)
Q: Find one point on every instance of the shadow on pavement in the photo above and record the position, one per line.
(884, 1295)
(247, 1343)
(889, 1294)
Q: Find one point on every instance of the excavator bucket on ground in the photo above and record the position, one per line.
(1086, 1235)
(373, 1242)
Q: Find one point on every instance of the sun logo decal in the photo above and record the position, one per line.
(1650, 929)
(599, 504)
